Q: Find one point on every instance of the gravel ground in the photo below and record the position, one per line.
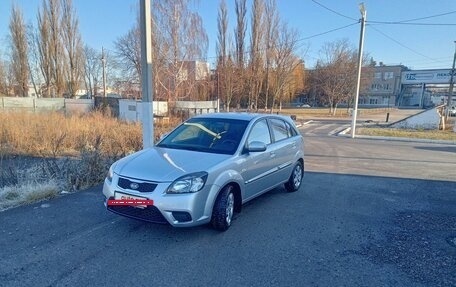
(410, 246)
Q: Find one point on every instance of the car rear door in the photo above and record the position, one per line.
(285, 147)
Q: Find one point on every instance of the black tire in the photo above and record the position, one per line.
(222, 213)
(295, 180)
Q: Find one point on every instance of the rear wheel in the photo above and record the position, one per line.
(295, 180)
(222, 213)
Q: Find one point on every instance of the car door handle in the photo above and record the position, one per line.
(272, 154)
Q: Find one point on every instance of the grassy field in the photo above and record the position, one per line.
(54, 134)
(43, 154)
(406, 133)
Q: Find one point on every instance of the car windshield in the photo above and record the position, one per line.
(206, 135)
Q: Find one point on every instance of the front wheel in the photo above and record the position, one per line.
(223, 210)
(295, 180)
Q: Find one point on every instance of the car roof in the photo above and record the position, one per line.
(238, 116)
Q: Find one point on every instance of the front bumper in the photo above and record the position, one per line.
(178, 210)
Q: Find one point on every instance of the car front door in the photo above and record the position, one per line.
(258, 167)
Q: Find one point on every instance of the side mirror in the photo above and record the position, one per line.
(256, 146)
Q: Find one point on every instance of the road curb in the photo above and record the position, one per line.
(300, 124)
(402, 139)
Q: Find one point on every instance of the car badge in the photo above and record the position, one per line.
(134, 185)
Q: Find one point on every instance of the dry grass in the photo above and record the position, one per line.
(69, 152)
(54, 134)
(407, 133)
(12, 196)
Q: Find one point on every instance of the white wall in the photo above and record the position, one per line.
(32, 104)
(196, 104)
(131, 110)
(77, 106)
(428, 119)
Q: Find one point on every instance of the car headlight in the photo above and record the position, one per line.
(188, 183)
(110, 173)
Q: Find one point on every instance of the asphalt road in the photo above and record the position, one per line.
(370, 213)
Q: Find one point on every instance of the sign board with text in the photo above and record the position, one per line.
(426, 77)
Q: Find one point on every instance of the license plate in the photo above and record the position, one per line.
(127, 197)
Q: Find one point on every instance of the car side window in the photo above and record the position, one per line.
(280, 129)
(260, 132)
(292, 130)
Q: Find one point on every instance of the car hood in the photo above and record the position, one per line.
(165, 165)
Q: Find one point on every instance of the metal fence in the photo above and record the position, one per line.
(46, 104)
(124, 109)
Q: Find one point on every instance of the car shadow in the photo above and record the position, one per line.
(438, 148)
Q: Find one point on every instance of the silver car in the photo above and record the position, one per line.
(206, 168)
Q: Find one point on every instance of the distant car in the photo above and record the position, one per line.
(206, 168)
(306, 106)
(453, 111)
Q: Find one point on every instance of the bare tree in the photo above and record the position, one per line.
(92, 70)
(128, 50)
(34, 59)
(53, 12)
(241, 28)
(299, 82)
(271, 23)
(284, 62)
(256, 55)
(43, 39)
(19, 57)
(222, 50)
(3, 82)
(6, 78)
(178, 37)
(335, 73)
(184, 39)
(51, 47)
(72, 43)
(239, 35)
(230, 76)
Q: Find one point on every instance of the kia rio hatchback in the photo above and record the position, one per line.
(206, 168)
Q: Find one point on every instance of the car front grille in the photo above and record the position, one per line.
(149, 214)
(126, 183)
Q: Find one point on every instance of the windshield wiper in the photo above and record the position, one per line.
(215, 135)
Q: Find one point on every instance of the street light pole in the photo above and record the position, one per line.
(146, 71)
(450, 91)
(103, 61)
(360, 61)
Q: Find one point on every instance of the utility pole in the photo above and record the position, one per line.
(146, 68)
(450, 91)
(103, 61)
(360, 61)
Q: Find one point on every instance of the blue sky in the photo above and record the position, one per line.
(416, 46)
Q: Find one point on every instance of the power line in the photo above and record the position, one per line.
(401, 22)
(415, 19)
(411, 24)
(335, 12)
(327, 32)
